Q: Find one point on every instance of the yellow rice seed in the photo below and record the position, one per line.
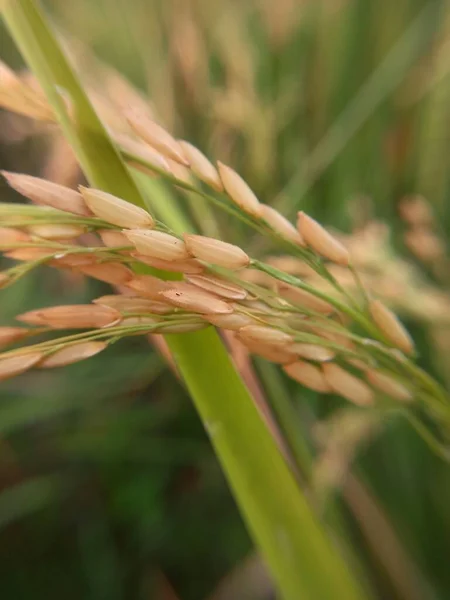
(156, 136)
(388, 384)
(233, 321)
(312, 352)
(275, 354)
(10, 335)
(308, 375)
(141, 150)
(347, 385)
(300, 298)
(15, 365)
(28, 254)
(132, 304)
(218, 286)
(141, 320)
(115, 210)
(109, 272)
(192, 299)
(281, 225)
(239, 191)
(75, 316)
(148, 286)
(390, 326)
(216, 252)
(75, 260)
(72, 354)
(201, 166)
(180, 172)
(181, 327)
(265, 335)
(45, 192)
(158, 244)
(113, 238)
(57, 232)
(9, 235)
(318, 238)
(189, 265)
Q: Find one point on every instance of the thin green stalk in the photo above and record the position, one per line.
(300, 557)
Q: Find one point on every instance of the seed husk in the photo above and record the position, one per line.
(132, 304)
(308, 375)
(388, 384)
(109, 272)
(75, 316)
(113, 238)
(201, 166)
(10, 335)
(191, 298)
(9, 235)
(347, 385)
(265, 335)
(148, 286)
(312, 352)
(57, 232)
(158, 244)
(233, 321)
(115, 210)
(216, 252)
(29, 254)
(15, 365)
(390, 326)
(156, 136)
(318, 238)
(239, 191)
(72, 354)
(45, 192)
(218, 286)
(141, 150)
(275, 354)
(281, 225)
(300, 298)
(189, 265)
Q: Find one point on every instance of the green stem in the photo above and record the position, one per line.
(298, 553)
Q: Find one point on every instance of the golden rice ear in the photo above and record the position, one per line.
(308, 375)
(312, 352)
(201, 166)
(388, 384)
(72, 354)
(347, 385)
(45, 192)
(188, 297)
(300, 298)
(75, 316)
(57, 232)
(115, 210)
(390, 326)
(281, 225)
(233, 321)
(218, 286)
(15, 365)
(158, 244)
(156, 136)
(239, 191)
(109, 272)
(318, 238)
(216, 252)
(265, 335)
(10, 335)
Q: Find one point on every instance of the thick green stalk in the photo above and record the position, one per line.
(299, 556)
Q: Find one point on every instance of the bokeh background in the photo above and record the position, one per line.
(109, 489)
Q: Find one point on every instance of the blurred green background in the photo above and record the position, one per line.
(109, 489)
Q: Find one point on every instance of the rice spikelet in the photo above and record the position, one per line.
(239, 191)
(216, 252)
(390, 326)
(308, 375)
(72, 354)
(115, 210)
(347, 385)
(318, 238)
(158, 244)
(201, 166)
(15, 365)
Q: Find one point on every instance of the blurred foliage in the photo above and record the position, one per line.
(109, 489)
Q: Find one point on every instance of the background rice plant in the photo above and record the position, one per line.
(338, 108)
